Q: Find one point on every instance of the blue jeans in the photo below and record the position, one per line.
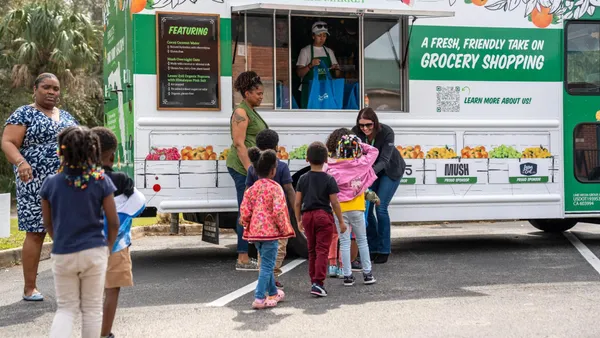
(378, 229)
(355, 221)
(266, 276)
(240, 187)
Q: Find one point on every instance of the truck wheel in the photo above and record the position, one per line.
(553, 225)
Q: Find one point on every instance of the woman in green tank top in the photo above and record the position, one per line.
(244, 125)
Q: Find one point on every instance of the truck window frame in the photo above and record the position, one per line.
(404, 81)
(568, 24)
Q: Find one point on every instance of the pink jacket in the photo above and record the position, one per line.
(264, 213)
(355, 176)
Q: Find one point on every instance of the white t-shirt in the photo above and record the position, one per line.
(304, 56)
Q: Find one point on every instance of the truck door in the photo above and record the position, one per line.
(581, 117)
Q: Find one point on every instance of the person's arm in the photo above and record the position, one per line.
(239, 125)
(246, 209)
(369, 154)
(290, 194)
(110, 212)
(47, 217)
(385, 152)
(305, 64)
(337, 209)
(280, 209)
(12, 140)
(297, 206)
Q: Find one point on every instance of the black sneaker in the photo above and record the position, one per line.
(356, 265)
(318, 290)
(349, 280)
(369, 279)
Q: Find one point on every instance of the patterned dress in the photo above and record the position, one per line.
(39, 150)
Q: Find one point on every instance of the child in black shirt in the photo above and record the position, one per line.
(316, 200)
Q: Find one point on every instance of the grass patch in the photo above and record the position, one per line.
(17, 237)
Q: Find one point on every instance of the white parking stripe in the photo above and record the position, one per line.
(584, 251)
(250, 287)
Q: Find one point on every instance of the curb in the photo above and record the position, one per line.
(12, 257)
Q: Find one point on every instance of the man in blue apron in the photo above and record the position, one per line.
(311, 56)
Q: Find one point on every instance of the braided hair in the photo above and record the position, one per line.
(80, 155)
(334, 138)
(247, 82)
(262, 161)
(349, 147)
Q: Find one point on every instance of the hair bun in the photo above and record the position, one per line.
(254, 154)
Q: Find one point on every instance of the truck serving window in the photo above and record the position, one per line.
(582, 66)
(367, 54)
(586, 152)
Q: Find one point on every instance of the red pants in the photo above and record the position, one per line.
(318, 227)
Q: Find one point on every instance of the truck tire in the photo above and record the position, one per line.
(553, 225)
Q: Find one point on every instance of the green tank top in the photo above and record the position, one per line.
(255, 125)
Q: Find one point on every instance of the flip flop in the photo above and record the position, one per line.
(35, 297)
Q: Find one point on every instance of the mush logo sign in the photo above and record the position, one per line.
(528, 169)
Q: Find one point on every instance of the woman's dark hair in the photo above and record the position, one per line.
(262, 161)
(267, 139)
(334, 138)
(316, 153)
(42, 77)
(79, 147)
(369, 114)
(108, 140)
(247, 81)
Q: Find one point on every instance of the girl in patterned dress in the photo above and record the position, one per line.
(29, 143)
(265, 218)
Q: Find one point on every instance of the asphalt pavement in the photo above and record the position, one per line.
(453, 280)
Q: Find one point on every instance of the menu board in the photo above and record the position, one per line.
(188, 61)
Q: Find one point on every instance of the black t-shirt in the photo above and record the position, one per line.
(316, 188)
(122, 182)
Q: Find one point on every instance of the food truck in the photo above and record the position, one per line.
(495, 103)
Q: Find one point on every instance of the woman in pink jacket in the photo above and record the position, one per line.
(351, 167)
(265, 218)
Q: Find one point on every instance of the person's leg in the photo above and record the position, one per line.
(358, 226)
(66, 283)
(93, 277)
(281, 250)
(345, 245)
(261, 286)
(324, 228)
(244, 263)
(269, 258)
(333, 256)
(307, 222)
(372, 233)
(111, 300)
(32, 249)
(386, 191)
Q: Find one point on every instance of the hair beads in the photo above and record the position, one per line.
(349, 147)
(79, 153)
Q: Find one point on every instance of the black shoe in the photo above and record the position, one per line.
(369, 279)
(356, 265)
(349, 280)
(381, 259)
(373, 256)
(318, 290)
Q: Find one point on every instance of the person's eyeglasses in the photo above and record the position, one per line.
(366, 125)
(319, 26)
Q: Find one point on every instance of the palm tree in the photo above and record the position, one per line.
(47, 36)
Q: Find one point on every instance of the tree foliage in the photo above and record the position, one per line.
(57, 36)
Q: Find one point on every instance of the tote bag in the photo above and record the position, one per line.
(351, 101)
(327, 93)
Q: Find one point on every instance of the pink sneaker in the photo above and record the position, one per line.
(263, 303)
(279, 297)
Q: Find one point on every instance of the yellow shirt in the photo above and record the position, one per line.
(357, 204)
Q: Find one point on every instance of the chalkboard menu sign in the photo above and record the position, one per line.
(188, 61)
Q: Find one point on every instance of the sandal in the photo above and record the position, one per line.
(279, 297)
(263, 303)
(35, 297)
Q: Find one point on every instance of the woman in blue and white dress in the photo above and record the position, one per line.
(29, 142)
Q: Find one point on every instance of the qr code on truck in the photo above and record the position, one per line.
(448, 99)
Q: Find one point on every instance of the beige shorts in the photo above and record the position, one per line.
(118, 273)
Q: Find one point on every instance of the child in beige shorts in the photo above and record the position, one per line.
(130, 203)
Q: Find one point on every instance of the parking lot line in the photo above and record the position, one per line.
(584, 251)
(250, 287)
